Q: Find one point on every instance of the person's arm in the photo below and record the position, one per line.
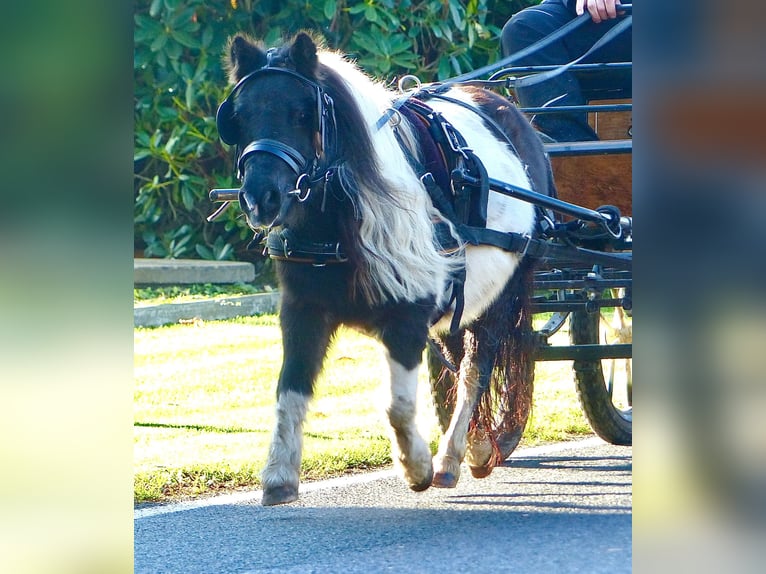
(599, 9)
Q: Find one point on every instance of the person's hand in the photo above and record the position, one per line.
(599, 9)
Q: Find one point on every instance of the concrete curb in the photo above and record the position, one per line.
(208, 310)
(186, 271)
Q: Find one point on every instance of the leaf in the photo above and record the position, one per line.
(171, 143)
(444, 70)
(370, 14)
(204, 251)
(141, 154)
(207, 36)
(154, 9)
(174, 50)
(224, 252)
(171, 4)
(159, 43)
(456, 17)
(187, 197)
(330, 6)
(185, 39)
(190, 95)
(365, 42)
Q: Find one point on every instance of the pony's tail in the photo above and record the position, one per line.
(503, 408)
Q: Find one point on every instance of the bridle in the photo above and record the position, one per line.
(308, 171)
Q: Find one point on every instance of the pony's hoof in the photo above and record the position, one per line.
(481, 471)
(424, 484)
(279, 495)
(444, 480)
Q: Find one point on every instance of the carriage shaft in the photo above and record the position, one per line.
(584, 352)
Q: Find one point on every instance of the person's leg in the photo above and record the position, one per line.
(524, 29)
(533, 24)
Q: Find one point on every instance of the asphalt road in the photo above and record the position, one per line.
(563, 508)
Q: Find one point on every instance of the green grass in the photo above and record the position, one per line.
(204, 401)
(193, 292)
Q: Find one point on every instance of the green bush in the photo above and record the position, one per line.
(179, 82)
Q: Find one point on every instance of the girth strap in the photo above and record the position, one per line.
(542, 249)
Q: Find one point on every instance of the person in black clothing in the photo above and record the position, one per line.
(536, 22)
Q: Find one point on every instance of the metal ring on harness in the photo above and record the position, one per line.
(298, 192)
(394, 117)
(408, 78)
(612, 220)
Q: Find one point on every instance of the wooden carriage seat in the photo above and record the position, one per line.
(595, 180)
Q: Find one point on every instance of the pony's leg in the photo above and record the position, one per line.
(486, 345)
(410, 450)
(452, 447)
(305, 337)
(405, 339)
(479, 449)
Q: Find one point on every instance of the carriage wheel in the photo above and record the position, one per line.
(510, 409)
(605, 387)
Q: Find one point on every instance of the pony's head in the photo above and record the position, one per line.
(281, 121)
(298, 115)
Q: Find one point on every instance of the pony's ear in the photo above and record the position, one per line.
(303, 54)
(242, 57)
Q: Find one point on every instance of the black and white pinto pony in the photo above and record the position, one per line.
(319, 173)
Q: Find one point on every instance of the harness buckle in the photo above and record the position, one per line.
(453, 139)
(528, 237)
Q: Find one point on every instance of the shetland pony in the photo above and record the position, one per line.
(352, 230)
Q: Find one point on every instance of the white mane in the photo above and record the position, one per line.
(397, 238)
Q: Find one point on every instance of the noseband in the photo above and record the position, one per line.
(306, 170)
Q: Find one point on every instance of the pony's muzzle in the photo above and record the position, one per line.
(250, 208)
(260, 211)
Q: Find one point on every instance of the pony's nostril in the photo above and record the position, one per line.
(271, 197)
(246, 203)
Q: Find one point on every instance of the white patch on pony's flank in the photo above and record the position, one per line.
(284, 462)
(397, 237)
(453, 444)
(410, 450)
(488, 269)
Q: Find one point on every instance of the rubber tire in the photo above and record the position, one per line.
(606, 420)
